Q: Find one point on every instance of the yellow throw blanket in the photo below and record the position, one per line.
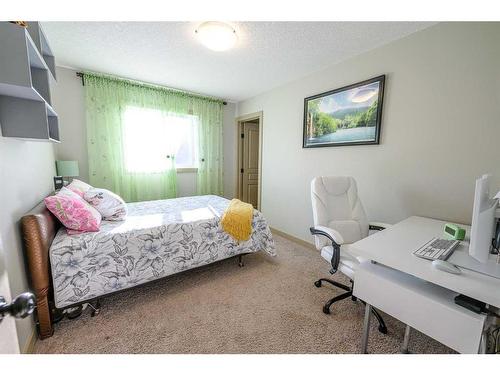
(237, 220)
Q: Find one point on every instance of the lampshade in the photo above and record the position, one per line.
(67, 168)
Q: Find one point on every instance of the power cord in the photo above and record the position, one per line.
(494, 340)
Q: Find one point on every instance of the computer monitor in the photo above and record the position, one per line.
(483, 220)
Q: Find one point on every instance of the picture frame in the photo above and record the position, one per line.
(347, 116)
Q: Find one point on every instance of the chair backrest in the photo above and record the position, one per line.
(336, 204)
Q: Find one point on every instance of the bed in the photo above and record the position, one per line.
(158, 239)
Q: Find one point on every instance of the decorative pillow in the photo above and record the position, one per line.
(79, 187)
(65, 192)
(73, 212)
(110, 205)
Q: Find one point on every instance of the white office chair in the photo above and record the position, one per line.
(340, 220)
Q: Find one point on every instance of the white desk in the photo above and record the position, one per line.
(394, 247)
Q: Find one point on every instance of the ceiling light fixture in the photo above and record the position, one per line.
(217, 36)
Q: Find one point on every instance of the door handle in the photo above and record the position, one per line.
(22, 306)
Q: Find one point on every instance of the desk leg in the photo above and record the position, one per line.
(483, 343)
(406, 340)
(366, 329)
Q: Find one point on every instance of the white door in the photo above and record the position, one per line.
(8, 334)
(250, 163)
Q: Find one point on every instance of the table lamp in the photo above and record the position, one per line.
(68, 169)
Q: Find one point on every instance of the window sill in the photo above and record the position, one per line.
(187, 170)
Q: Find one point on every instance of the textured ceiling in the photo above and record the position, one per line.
(267, 54)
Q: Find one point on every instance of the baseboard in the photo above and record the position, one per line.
(29, 347)
(293, 239)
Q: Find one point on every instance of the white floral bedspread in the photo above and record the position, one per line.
(158, 238)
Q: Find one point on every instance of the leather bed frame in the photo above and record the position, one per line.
(39, 228)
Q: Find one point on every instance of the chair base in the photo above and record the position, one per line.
(326, 307)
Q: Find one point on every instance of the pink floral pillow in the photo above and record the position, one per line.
(73, 212)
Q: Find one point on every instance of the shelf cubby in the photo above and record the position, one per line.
(38, 36)
(40, 83)
(53, 126)
(29, 119)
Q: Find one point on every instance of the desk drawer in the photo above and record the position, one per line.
(424, 306)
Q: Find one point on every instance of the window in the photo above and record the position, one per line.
(151, 137)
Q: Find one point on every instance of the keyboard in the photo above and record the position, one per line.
(437, 248)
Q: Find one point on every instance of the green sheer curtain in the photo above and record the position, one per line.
(107, 101)
(210, 169)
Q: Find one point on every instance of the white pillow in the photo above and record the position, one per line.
(79, 187)
(69, 193)
(110, 205)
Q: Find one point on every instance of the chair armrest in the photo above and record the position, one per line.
(375, 225)
(329, 233)
(336, 239)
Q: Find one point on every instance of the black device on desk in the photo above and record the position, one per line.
(58, 183)
(496, 239)
(470, 303)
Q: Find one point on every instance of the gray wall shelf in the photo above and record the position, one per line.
(27, 67)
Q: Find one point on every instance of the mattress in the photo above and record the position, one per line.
(158, 238)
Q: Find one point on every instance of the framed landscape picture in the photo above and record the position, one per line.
(350, 115)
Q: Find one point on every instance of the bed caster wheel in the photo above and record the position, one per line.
(382, 329)
(326, 310)
(317, 284)
(74, 313)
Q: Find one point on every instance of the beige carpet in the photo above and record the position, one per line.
(268, 306)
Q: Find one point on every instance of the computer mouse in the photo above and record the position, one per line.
(446, 266)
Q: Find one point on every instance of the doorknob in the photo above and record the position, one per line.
(22, 306)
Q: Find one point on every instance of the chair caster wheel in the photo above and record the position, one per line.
(326, 310)
(354, 298)
(317, 284)
(382, 330)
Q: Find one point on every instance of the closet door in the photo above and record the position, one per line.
(250, 163)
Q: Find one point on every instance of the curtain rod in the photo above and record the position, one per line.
(82, 76)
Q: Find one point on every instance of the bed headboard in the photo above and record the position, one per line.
(39, 228)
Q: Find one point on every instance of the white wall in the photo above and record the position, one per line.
(69, 103)
(68, 98)
(26, 172)
(440, 130)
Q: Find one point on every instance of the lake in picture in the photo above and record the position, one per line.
(347, 135)
(344, 116)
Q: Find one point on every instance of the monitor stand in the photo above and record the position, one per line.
(462, 259)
